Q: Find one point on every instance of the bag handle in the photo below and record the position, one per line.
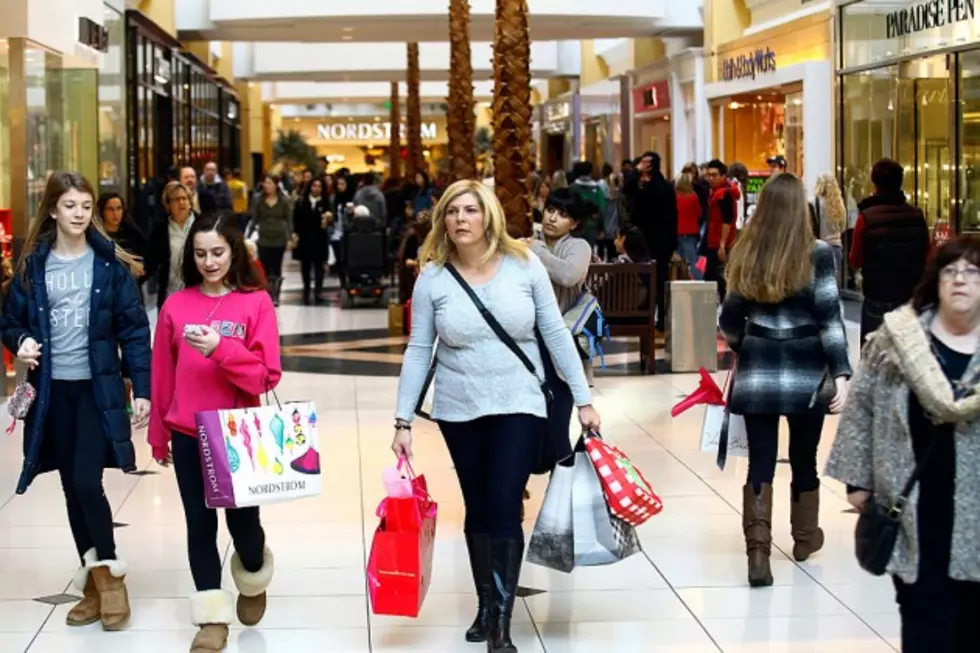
(501, 333)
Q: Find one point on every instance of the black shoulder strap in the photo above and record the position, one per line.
(492, 321)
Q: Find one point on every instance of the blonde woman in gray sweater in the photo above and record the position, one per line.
(830, 215)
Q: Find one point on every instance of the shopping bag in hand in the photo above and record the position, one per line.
(261, 455)
(719, 424)
(399, 569)
(599, 537)
(629, 495)
(552, 543)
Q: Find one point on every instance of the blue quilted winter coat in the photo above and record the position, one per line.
(117, 321)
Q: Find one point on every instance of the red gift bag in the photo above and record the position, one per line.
(400, 565)
(629, 495)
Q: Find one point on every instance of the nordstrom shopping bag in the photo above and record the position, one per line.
(599, 537)
(399, 568)
(261, 455)
(552, 542)
(629, 495)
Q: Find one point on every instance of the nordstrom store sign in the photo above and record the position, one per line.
(369, 131)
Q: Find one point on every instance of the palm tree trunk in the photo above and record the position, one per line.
(395, 148)
(416, 162)
(461, 123)
(512, 113)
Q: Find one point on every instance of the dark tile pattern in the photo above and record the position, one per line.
(58, 599)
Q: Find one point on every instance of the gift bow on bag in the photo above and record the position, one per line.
(419, 491)
(708, 393)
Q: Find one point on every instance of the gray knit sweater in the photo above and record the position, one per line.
(476, 374)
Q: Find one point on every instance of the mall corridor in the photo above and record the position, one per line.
(685, 594)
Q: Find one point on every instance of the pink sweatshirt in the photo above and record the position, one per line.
(245, 365)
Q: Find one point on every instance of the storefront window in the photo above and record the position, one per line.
(760, 125)
(112, 106)
(969, 141)
(5, 168)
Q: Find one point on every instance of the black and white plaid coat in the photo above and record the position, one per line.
(786, 350)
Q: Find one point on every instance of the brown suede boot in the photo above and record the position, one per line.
(804, 519)
(251, 587)
(110, 582)
(757, 526)
(89, 609)
(211, 611)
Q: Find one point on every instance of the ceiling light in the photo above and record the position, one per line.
(346, 38)
(348, 29)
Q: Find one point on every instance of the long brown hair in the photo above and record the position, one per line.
(241, 273)
(771, 259)
(44, 229)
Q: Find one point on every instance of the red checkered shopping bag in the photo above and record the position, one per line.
(628, 493)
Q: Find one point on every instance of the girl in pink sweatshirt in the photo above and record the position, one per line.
(216, 347)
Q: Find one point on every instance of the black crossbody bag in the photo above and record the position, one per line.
(877, 527)
(548, 455)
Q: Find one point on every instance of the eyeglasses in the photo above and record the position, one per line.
(950, 272)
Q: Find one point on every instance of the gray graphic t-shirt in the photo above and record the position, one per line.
(69, 284)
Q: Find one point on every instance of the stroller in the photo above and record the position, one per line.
(365, 245)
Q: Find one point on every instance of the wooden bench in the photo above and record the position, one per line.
(627, 296)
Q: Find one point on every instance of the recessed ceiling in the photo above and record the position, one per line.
(426, 29)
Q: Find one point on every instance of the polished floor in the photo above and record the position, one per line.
(685, 594)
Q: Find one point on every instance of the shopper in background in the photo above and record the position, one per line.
(688, 222)
(890, 246)
(121, 228)
(489, 407)
(777, 165)
(272, 218)
(167, 241)
(738, 176)
(654, 213)
(720, 231)
(311, 221)
(915, 401)
(72, 305)
(220, 331)
(782, 318)
(216, 187)
(829, 215)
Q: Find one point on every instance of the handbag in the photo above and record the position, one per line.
(19, 405)
(877, 527)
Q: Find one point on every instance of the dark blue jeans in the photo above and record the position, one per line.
(494, 457)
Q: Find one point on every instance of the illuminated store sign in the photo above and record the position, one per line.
(928, 15)
(368, 131)
(747, 66)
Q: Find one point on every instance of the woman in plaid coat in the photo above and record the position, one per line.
(782, 317)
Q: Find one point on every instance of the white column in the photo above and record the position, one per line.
(818, 131)
(702, 114)
(678, 122)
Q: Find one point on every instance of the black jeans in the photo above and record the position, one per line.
(494, 457)
(312, 270)
(873, 315)
(76, 440)
(804, 438)
(939, 615)
(714, 270)
(271, 259)
(244, 525)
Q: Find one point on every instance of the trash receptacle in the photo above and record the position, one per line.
(692, 333)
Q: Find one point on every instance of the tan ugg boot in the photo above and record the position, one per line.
(110, 582)
(89, 609)
(251, 587)
(211, 611)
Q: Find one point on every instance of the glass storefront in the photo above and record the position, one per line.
(913, 97)
(5, 164)
(762, 124)
(112, 106)
(181, 113)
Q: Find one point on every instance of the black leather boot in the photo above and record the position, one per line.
(506, 557)
(479, 550)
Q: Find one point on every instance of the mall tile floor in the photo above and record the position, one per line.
(685, 594)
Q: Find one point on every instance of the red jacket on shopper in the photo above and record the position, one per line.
(688, 214)
(721, 211)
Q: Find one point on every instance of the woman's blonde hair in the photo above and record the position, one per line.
(771, 259)
(170, 190)
(684, 183)
(833, 201)
(438, 247)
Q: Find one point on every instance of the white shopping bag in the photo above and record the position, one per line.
(552, 541)
(714, 417)
(600, 537)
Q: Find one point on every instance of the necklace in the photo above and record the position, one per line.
(217, 304)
